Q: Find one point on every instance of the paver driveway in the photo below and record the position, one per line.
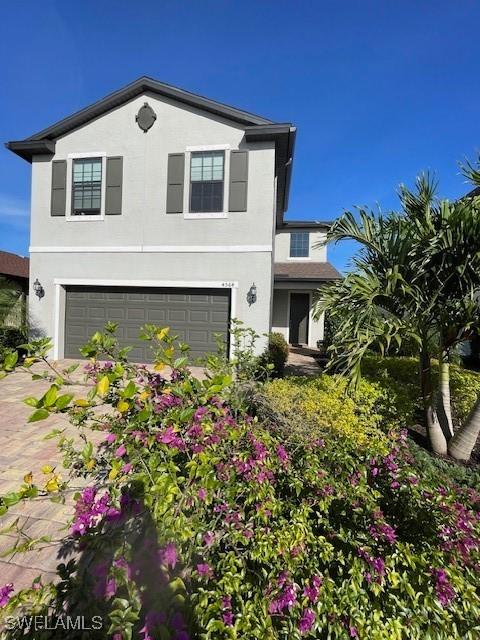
(23, 448)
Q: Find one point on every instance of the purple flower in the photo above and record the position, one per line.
(202, 494)
(443, 589)
(127, 467)
(110, 588)
(5, 594)
(353, 632)
(121, 451)
(312, 591)
(89, 510)
(306, 621)
(227, 617)
(208, 538)
(168, 555)
(204, 570)
(285, 600)
(171, 438)
(282, 454)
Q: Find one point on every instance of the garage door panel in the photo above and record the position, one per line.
(195, 316)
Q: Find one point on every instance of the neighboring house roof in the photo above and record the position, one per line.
(306, 224)
(305, 271)
(256, 128)
(473, 193)
(13, 265)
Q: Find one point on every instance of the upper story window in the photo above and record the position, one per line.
(299, 245)
(206, 181)
(86, 187)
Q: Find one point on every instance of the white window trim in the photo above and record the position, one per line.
(78, 156)
(61, 283)
(207, 215)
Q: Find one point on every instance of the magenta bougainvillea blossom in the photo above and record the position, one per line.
(6, 593)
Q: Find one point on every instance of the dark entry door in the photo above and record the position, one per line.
(299, 309)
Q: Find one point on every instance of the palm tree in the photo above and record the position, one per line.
(416, 277)
(10, 295)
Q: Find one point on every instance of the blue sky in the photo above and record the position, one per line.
(379, 90)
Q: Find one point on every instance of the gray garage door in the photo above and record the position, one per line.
(195, 315)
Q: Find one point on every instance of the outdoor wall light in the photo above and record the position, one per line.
(252, 295)
(38, 289)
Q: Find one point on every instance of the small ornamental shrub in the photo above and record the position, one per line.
(196, 521)
(315, 407)
(10, 339)
(276, 354)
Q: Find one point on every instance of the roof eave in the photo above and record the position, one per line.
(26, 149)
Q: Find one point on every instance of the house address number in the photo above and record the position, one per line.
(228, 284)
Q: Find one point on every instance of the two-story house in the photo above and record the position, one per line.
(155, 205)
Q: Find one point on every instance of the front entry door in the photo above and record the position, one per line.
(299, 310)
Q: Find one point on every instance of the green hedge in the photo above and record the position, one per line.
(400, 377)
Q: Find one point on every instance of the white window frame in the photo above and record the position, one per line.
(211, 215)
(300, 258)
(80, 156)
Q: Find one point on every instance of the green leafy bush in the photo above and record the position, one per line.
(198, 522)
(10, 338)
(276, 355)
(400, 378)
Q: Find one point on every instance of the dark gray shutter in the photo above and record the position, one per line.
(237, 200)
(59, 188)
(175, 177)
(113, 191)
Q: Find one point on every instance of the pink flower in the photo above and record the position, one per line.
(208, 538)
(202, 494)
(168, 555)
(5, 594)
(282, 454)
(110, 588)
(127, 467)
(306, 621)
(353, 632)
(204, 570)
(121, 451)
(111, 437)
(312, 591)
(443, 589)
(228, 618)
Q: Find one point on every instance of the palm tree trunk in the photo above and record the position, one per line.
(438, 441)
(461, 445)
(444, 406)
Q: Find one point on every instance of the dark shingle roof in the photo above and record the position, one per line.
(305, 271)
(13, 265)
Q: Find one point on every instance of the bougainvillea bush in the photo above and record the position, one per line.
(198, 521)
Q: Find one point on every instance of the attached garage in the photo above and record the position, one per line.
(195, 315)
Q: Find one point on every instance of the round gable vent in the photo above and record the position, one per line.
(145, 117)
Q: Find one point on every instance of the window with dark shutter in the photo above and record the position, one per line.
(206, 181)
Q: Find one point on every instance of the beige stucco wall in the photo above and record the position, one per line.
(282, 246)
(141, 243)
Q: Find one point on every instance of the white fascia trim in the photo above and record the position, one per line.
(239, 248)
(193, 284)
(208, 147)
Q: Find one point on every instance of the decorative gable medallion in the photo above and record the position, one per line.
(145, 117)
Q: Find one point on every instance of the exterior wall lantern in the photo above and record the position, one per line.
(252, 295)
(38, 289)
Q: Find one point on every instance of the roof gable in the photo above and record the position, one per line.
(256, 128)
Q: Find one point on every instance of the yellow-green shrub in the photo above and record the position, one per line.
(319, 406)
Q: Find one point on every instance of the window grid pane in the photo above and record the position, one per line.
(86, 186)
(206, 178)
(299, 245)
